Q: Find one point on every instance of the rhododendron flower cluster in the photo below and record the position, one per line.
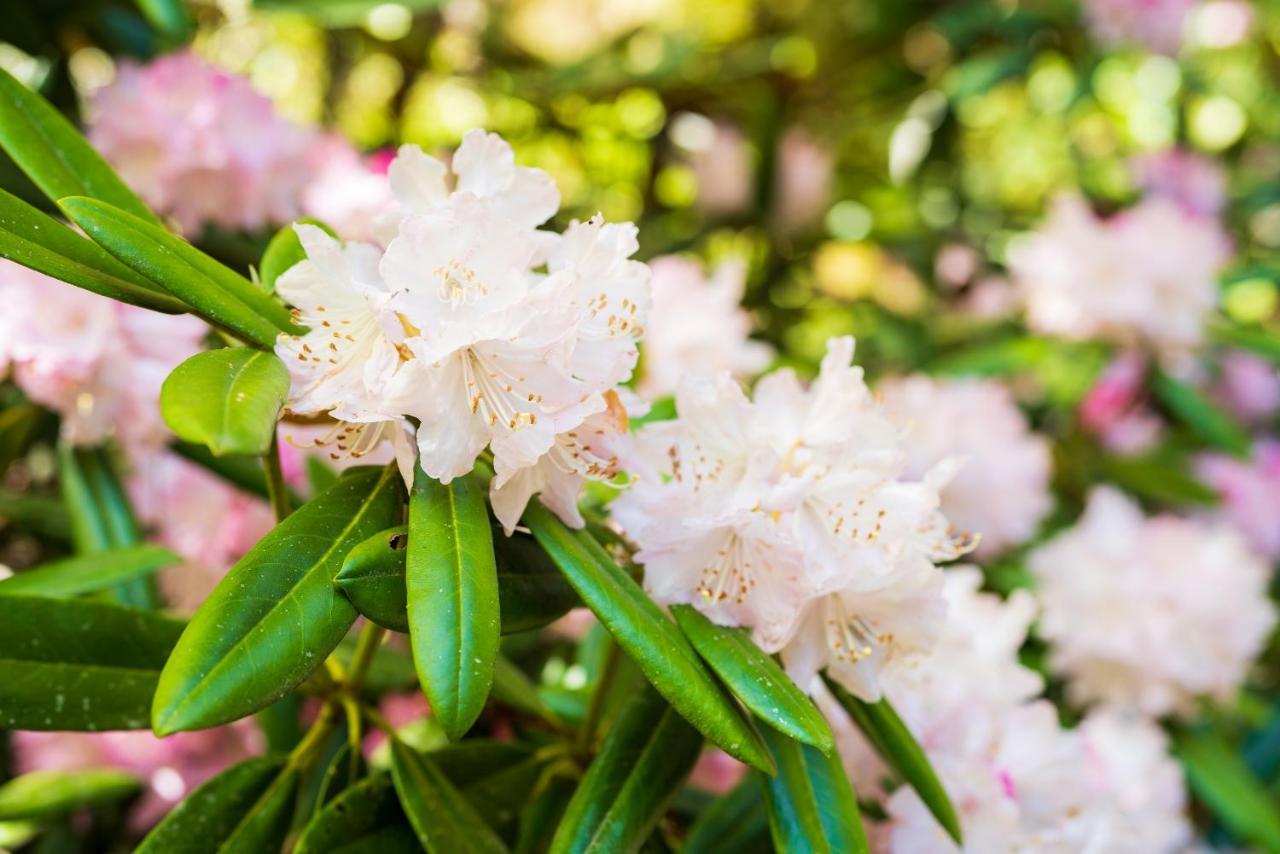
(697, 326)
(1085, 277)
(1002, 490)
(96, 362)
(472, 329)
(791, 514)
(1150, 613)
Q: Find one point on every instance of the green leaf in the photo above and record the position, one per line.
(228, 399)
(641, 765)
(45, 793)
(285, 250)
(811, 803)
(275, 615)
(338, 13)
(43, 516)
(442, 818)
(168, 16)
(735, 822)
(1221, 780)
(88, 573)
(365, 818)
(214, 292)
(248, 803)
(513, 688)
(345, 769)
(648, 637)
(755, 679)
(34, 239)
(897, 746)
(1209, 422)
(468, 762)
(541, 816)
(531, 591)
(53, 153)
(451, 580)
(76, 664)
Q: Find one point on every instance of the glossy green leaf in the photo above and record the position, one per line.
(531, 591)
(1208, 421)
(444, 821)
(811, 804)
(275, 615)
(469, 761)
(651, 640)
(366, 817)
(284, 250)
(244, 473)
(227, 399)
(451, 580)
(45, 793)
(34, 239)
(1221, 780)
(88, 573)
(755, 679)
(897, 746)
(76, 664)
(640, 767)
(214, 292)
(168, 16)
(249, 802)
(735, 822)
(54, 154)
(541, 817)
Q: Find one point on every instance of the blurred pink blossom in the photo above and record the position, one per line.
(1249, 386)
(198, 515)
(803, 182)
(1158, 25)
(1115, 410)
(1196, 182)
(399, 710)
(200, 145)
(716, 772)
(347, 192)
(1250, 492)
(725, 171)
(169, 768)
(1222, 23)
(96, 362)
(956, 264)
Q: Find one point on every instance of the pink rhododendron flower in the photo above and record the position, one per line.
(697, 326)
(1158, 25)
(1119, 591)
(1001, 491)
(717, 772)
(1115, 409)
(1250, 492)
(802, 181)
(169, 768)
(200, 145)
(725, 171)
(96, 362)
(1196, 182)
(346, 192)
(1249, 386)
(1084, 277)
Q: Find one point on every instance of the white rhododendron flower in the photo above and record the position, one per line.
(1085, 277)
(1150, 613)
(790, 514)
(472, 330)
(1002, 491)
(697, 326)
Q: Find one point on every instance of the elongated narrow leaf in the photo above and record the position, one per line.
(44, 793)
(541, 817)
(266, 824)
(468, 762)
(735, 822)
(441, 817)
(182, 269)
(1221, 779)
(44, 516)
(74, 664)
(275, 615)
(53, 153)
(345, 769)
(365, 818)
(641, 765)
(644, 632)
(1211, 423)
(227, 399)
(531, 591)
(451, 579)
(168, 16)
(212, 814)
(811, 803)
(88, 573)
(513, 688)
(755, 678)
(34, 239)
(897, 746)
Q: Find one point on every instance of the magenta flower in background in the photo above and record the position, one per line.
(1197, 183)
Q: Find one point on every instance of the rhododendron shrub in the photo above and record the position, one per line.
(562, 427)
